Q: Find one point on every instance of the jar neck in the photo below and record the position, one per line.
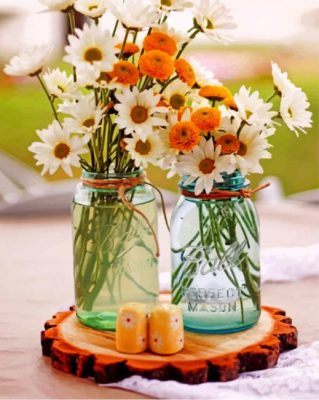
(112, 181)
(232, 182)
(112, 175)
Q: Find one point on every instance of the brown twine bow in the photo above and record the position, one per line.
(124, 184)
(220, 194)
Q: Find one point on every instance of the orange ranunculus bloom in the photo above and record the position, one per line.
(229, 144)
(207, 119)
(216, 93)
(125, 72)
(157, 64)
(129, 49)
(160, 41)
(184, 136)
(185, 72)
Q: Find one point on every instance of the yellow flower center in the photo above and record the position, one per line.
(92, 7)
(248, 114)
(206, 166)
(242, 149)
(61, 150)
(166, 3)
(210, 24)
(177, 101)
(143, 148)
(139, 114)
(88, 123)
(289, 112)
(93, 54)
(62, 89)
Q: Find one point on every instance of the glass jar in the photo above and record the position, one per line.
(215, 259)
(115, 259)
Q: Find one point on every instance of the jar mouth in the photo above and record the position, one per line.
(112, 175)
(232, 182)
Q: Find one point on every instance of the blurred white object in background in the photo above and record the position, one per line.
(23, 191)
(26, 23)
(274, 193)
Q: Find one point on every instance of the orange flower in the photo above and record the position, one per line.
(207, 119)
(125, 72)
(229, 144)
(215, 93)
(184, 136)
(230, 102)
(160, 41)
(157, 64)
(129, 49)
(185, 72)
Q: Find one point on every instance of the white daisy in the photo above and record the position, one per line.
(134, 14)
(252, 108)
(203, 165)
(57, 149)
(143, 152)
(137, 112)
(29, 61)
(87, 75)
(203, 76)
(176, 94)
(91, 8)
(213, 19)
(86, 116)
(294, 110)
(91, 46)
(59, 84)
(57, 5)
(174, 5)
(244, 152)
(128, 319)
(281, 81)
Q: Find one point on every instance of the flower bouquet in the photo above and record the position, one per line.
(133, 99)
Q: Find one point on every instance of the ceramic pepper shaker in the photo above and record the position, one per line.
(166, 331)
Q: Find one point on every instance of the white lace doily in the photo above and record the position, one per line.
(296, 376)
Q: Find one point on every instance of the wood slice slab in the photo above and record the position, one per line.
(85, 352)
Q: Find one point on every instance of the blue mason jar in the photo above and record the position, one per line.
(215, 259)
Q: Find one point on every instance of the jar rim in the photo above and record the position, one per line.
(232, 182)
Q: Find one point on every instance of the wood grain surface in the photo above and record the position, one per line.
(85, 352)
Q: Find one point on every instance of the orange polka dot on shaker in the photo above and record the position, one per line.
(131, 328)
(166, 330)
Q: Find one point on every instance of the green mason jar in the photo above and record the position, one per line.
(215, 259)
(114, 248)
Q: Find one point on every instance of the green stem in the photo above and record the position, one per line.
(271, 97)
(168, 83)
(49, 98)
(115, 27)
(192, 36)
(71, 17)
(124, 43)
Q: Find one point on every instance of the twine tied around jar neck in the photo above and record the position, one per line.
(220, 194)
(121, 186)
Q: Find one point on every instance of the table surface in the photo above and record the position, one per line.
(36, 281)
